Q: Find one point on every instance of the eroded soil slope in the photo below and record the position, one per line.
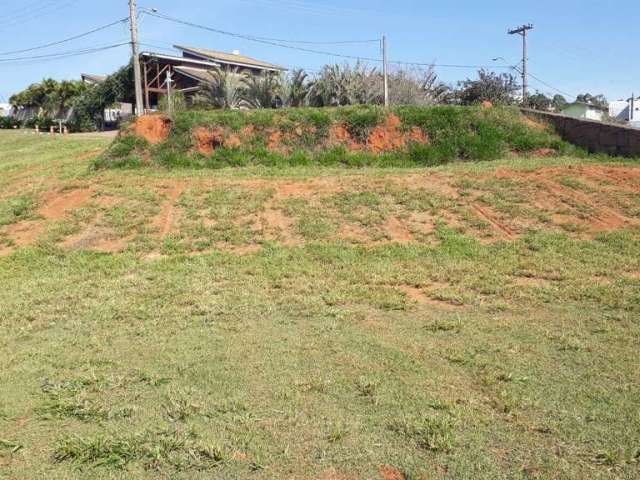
(242, 215)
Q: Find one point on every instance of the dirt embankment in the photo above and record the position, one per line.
(153, 128)
(389, 136)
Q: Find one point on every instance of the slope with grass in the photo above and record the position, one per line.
(351, 136)
(475, 320)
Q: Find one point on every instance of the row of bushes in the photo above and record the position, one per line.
(11, 122)
(455, 133)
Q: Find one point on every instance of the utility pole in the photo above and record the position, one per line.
(385, 70)
(523, 31)
(137, 75)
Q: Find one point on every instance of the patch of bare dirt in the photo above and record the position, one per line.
(339, 135)
(414, 293)
(25, 233)
(153, 128)
(438, 183)
(420, 297)
(604, 219)
(391, 473)
(275, 139)
(96, 238)
(248, 249)
(534, 282)
(276, 225)
(397, 231)
(487, 214)
(207, 140)
(389, 137)
(169, 213)
(591, 212)
(354, 234)
(536, 125)
(333, 474)
(57, 204)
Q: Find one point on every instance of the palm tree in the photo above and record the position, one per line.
(263, 91)
(226, 89)
(296, 88)
(339, 85)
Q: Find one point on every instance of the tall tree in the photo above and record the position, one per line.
(539, 101)
(595, 100)
(499, 89)
(559, 103)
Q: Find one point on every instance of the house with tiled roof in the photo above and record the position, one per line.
(188, 71)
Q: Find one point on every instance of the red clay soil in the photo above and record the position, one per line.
(390, 473)
(153, 128)
(275, 141)
(57, 204)
(339, 135)
(25, 233)
(397, 231)
(206, 140)
(389, 137)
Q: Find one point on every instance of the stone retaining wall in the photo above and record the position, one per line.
(596, 137)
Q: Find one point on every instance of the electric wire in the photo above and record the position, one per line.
(276, 43)
(70, 53)
(66, 40)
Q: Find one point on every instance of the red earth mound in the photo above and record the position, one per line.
(153, 128)
(386, 137)
(389, 137)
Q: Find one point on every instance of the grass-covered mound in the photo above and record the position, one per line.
(353, 136)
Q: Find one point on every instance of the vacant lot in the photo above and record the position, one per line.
(469, 321)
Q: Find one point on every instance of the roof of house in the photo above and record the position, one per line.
(199, 74)
(180, 60)
(93, 78)
(230, 58)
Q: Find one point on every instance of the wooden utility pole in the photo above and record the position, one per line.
(137, 75)
(385, 70)
(523, 31)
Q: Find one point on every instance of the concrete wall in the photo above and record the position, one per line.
(596, 137)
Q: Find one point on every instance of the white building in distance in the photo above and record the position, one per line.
(626, 111)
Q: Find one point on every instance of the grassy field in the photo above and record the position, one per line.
(470, 321)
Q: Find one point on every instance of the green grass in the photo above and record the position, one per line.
(311, 360)
(455, 134)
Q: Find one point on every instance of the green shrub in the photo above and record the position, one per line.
(9, 122)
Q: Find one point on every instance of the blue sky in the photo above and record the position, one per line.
(577, 45)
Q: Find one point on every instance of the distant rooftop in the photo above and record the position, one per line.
(92, 78)
(229, 58)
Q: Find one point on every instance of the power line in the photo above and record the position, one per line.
(308, 42)
(255, 39)
(277, 43)
(551, 86)
(59, 42)
(71, 53)
(546, 84)
(39, 12)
